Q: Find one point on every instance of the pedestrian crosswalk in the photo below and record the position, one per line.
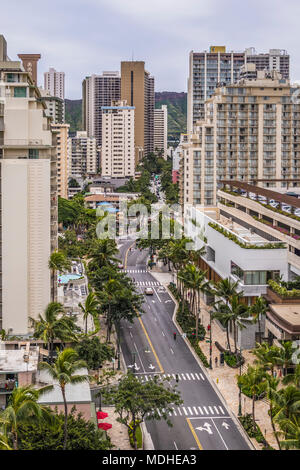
(135, 271)
(147, 283)
(194, 411)
(196, 376)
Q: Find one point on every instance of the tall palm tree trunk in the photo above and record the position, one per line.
(228, 338)
(253, 411)
(273, 425)
(66, 418)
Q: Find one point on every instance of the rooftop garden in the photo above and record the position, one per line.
(275, 227)
(235, 239)
(285, 289)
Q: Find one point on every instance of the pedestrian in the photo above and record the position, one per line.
(174, 336)
(216, 361)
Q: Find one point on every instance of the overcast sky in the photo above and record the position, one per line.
(81, 37)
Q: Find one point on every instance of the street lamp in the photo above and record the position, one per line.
(240, 387)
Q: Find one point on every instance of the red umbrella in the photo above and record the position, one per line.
(104, 426)
(101, 415)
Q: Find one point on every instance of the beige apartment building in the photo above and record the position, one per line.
(82, 155)
(118, 150)
(161, 130)
(62, 131)
(137, 88)
(251, 133)
(28, 198)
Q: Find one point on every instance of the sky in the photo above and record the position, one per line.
(82, 37)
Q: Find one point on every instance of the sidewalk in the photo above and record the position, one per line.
(225, 378)
(118, 433)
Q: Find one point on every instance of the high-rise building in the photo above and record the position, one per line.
(161, 130)
(98, 91)
(62, 131)
(118, 150)
(137, 88)
(275, 59)
(54, 82)
(29, 62)
(251, 133)
(207, 69)
(28, 193)
(82, 155)
(55, 107)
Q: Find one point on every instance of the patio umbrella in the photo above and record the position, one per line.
(104, 426)
(101, 415)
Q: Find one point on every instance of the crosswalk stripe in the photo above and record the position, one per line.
(202, 377)
(179, 411)
(146, 378)
(211, 410)
(158, 412)
(190, 410)
(222, 411)
(195, 410)
(200, 409)
(192, 376)
(188, 376)
(174, 411)
(185, 412)
(205, 409)
(174, 376)
(183, 376)
(216, 410)
(197, 376)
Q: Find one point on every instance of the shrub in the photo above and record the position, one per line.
(282, 290)
(138, 436)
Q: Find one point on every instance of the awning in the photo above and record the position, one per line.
(104, 426)
(101, 415)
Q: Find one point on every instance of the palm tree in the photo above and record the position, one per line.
(255, 381)
(291, 431)
(293, 378)
(267, 356)
(90, 308)
(54, 325)
(23, 408)
(286, 354)
(57, 262)
(286, 403)
(102, 253)
(271, 389)
(226, 289)
(64, 372)
(259, 310)
(222, 313)
(108, 298)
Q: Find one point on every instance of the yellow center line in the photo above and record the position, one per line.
(143, 326)
(194, 433)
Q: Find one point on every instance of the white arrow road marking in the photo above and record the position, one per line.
(167, 301)
(136, 367)
(153, 301)
(226, 425)
(132, 365)
(171, 350)
(151, 367)
(206, 427)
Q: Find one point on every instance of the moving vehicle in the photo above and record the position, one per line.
(148, 291)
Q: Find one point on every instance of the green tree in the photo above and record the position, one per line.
(90, 308)
(102, 253)
(93, 352)
(291, 433)
(267, 356)
(57, 262)
(135, 401)
(23, 408)
(54, 325)
(255, 381)
(65, 371)
(272, 389)
(258, 310)
(293, 378)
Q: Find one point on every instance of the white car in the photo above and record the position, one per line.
(148, 291)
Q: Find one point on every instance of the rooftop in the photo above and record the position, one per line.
(14, 360)
(75, 393)
(287, 316)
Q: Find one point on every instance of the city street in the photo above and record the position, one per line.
(149, 347)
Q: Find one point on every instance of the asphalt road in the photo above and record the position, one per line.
(149, 347)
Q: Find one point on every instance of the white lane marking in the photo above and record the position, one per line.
(179, 411)
(175, 445)
(130, 334)
(202, 377)
(195, 410)
(192, 375)
(171, 350)
(205, 409)
(174, 411)
(174, 376)
(200, 409)
(211, 410)
(185, 412)
(188, 376)
(222, 411)
(157, 295)
(146, 378)
(216, 410)
(139, 356)
(162, 333)
(158, 412)
(220, 434)
(190, 410)
(197, 376)
(183, 376)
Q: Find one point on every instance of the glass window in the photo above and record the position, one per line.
(33, 153)
(20, 92)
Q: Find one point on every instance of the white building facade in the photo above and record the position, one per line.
(161, 130)
(54, 82)
(82, 155)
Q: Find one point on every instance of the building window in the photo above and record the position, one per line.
(20, 92)
(33, 153)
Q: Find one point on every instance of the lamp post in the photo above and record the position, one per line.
(240, 388)
(210, 342)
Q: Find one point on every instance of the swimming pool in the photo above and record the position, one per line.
(65, 278)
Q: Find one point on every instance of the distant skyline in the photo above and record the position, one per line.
(82, 37)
